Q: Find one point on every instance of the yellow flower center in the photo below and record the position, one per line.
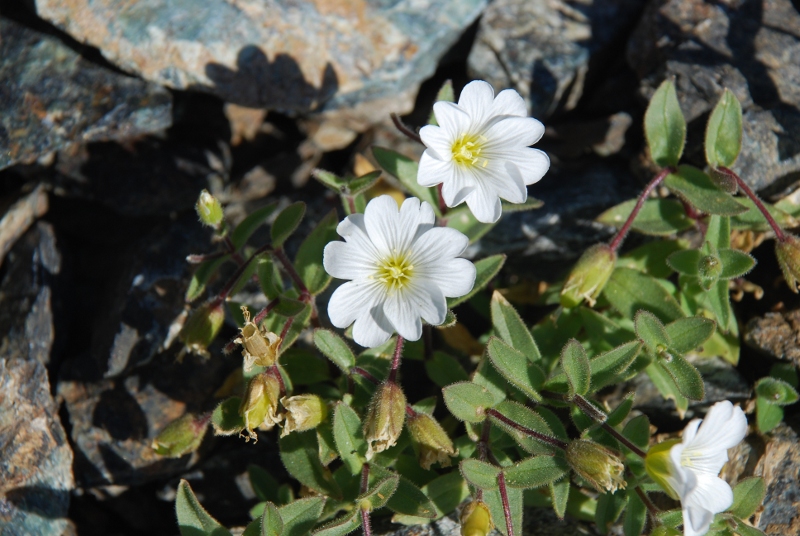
(395, 271)
(467, 150)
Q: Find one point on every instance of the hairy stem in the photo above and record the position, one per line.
(501, 483)
(398, 352)
(365, 523)
(410, 134)
(616, 242)
(652, 509)
(598, 416)
(544, 438)
(289, 267)
(442, 205)
(779, 234)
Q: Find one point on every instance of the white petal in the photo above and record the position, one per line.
(454, 277)
(696, 521)
(458, 187)
(509, 186)
(429, 301)
(403, 314)
(381, 219)
(416, 218)
(439, 243)
(455, 121)
(433, 171)
(509, 102)
(476, 99)
(436, 140)
(352, 300)
(531, 164)
(513, 132)
(346, 261)
(485, 205)
(372, 329)
(354, 231)
(711, 495)
(706, 446)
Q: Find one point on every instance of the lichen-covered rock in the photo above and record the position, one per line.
(35, 458)
(776, 334)
(751, 47)
(282, 54)
(51, 97)
(543, 49)
(780, 468)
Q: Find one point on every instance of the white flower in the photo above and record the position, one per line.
(688, 470)
(479, 151)
(401, 269)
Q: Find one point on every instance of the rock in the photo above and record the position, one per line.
(52, 97)
(287, 55)
(775, 334)
(35, 458)
(780, 468)
(751, 47)
(19, 217)
(544, 49)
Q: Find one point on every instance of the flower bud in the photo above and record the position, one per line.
(209, 210)
(181, 436)
(710, 267)
(385, 416)
(788, 253)
(598, 465)
(724, 181)
(259, 406)
(660, 467)
(303, 412)
(201, 328)
(476, 520)
(259, 346)
(430, 441)
(589, 276)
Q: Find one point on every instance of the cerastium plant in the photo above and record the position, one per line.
(533, 432)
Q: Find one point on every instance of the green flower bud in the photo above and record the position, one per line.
(209, 210)
(724, 181)
(598, 465)
(385, 417)
(303, 412)
(476, 520)
(181, 436)
(430, 441)
(201, 328)
(259, 346)
(660, 467)
(259, 406)
(788, 253)
(589, 276)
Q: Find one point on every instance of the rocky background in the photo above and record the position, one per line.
(114, 115)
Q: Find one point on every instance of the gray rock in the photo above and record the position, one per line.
(284, 54)
(780, 468)
(543, 49)
(775, 334)
(35, 458)
(51, 97)
(751, 47)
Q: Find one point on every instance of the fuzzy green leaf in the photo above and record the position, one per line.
(515, 505)
(193, 520)
(516, 368)
(378, 495)
(666, 386)
(334, 348)
(609, 507)
(657, 217)
(743, 529)
(754, 220)
(635, 515)
(776, 391)
(724, 132)
(308, 261)
(201, 276)
(271, 522)
(527, 418)
(630, 290)
(687, 378)
(687, 334)
(361, 184)
(577, 368)
(405, 169)
(445, 493)
(665, 126)
(286, 223)
(301, 515)
(510, 327)
(694, 186)
(226, 419)
(686, 261)
(486, 270)
(747, 497)
(651, 332)
(444, 369)
(408, 500)
(638, 431)
(735, 263)
(263, 483)
(248, 226)
(300, 456)
(480, 474)
(607, 367)
(529, 204)
(768, 415)
(536, 472)
(331, 180)
(347, 432)
(559, 495)
(341, 526)
(269, 278)
(618, 414)
(467, 401)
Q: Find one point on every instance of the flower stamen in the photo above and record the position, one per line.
(467, 150)
(395, 271)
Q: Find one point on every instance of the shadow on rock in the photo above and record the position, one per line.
(40, 500)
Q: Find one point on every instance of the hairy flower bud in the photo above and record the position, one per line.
(259, 346)
(589, 276)
(181, 436)
(209, 210)
(476, 520)
(303, 412)
(788, 253)
(201, 328)
(385, 417)
(430, 441)
(598, 465)
(259, 406)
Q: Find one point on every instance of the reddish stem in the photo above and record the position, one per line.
(501, 483)
(203, 257)
(779, 234)
(404, 129)
(351, 203)
(223, 295)
(552, 441)
(275, 373)
(398, 352)
(442, 205)
(623, 231)
(588, 409)
(289, 267)
(262, 314)
(364, 374)
(365, 522)
(652, 509)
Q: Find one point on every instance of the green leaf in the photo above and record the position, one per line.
(201, 276)
(334, 348)
(444, 369)
(361, 184)
(529, 204)
(461, 219)
(405, 169)
(743, 529)
(408, 500)
(671, 518)
(686, 377)
(467, 401)
(629, 290)
(735, 263)
(768, 415)
(308, 261)
(515, 504)
(651, 332)
(718, 233)
(263, 483)
(609, 507)
(697, 188)
(527, 418)
(286, 223)
(651, 258)
(349, 437)
(510, 327)
(724, 132)
(577, 368)
(776, 391)
(657, 217)
(226, 419)
(635, 515)
(536, 472)
(248, 226)
(331, 180)
(665, 126)
(638, 431)
(445, 492)
(300, 456)
(269, 278)
(480, 474)
(606, 368)
(687, 334)
(754, 220)
(378, 495)
(193, 520)
(559, 495)
(686, 261)
(747, 497)
(516, 368)
(666, 386)
(619, 413)
(341, 526)
(486, 270)
(275, 323)
(301, 515)
(271, 522)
